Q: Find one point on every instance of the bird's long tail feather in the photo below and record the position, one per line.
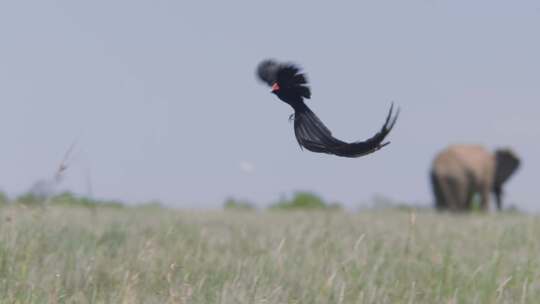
(313, 135)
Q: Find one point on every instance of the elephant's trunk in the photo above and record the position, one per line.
(498, 197)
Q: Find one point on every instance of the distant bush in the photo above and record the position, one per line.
(234, 204)
(303, 200)
(70, 199)
(30, 199)
(65, 199)
(381, 202)
(4, 199)
(151, 205)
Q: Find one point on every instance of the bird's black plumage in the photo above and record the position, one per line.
(291, 86)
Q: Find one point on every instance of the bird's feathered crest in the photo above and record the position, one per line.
(286, 75)
(267, 71)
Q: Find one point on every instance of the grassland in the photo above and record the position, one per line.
(153, 255)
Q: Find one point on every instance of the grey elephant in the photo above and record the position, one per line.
(461, 171)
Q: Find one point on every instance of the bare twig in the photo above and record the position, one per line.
(64, 163)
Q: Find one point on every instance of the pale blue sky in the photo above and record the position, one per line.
(162, 99)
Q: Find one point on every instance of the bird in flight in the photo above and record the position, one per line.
(290, 85)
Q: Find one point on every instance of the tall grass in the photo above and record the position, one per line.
(65, 254)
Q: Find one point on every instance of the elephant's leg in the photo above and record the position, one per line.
(450, 191)
(460, 193)
(470, 189)
(469, 199)
(484, 198)
(440, 203)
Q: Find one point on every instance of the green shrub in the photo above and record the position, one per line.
(70, 199)
(234, 204)
(155, 204)
(30, 199)
(4, 199)
(303, 200)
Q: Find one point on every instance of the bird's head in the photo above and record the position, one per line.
(275, 88)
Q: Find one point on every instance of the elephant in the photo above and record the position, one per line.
(461, 171)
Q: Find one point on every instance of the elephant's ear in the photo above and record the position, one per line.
(506, 163)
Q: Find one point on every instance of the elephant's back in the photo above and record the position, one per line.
(455, 158)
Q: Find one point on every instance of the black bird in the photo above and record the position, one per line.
(291, 86)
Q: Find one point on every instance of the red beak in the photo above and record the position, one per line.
(275, 87)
